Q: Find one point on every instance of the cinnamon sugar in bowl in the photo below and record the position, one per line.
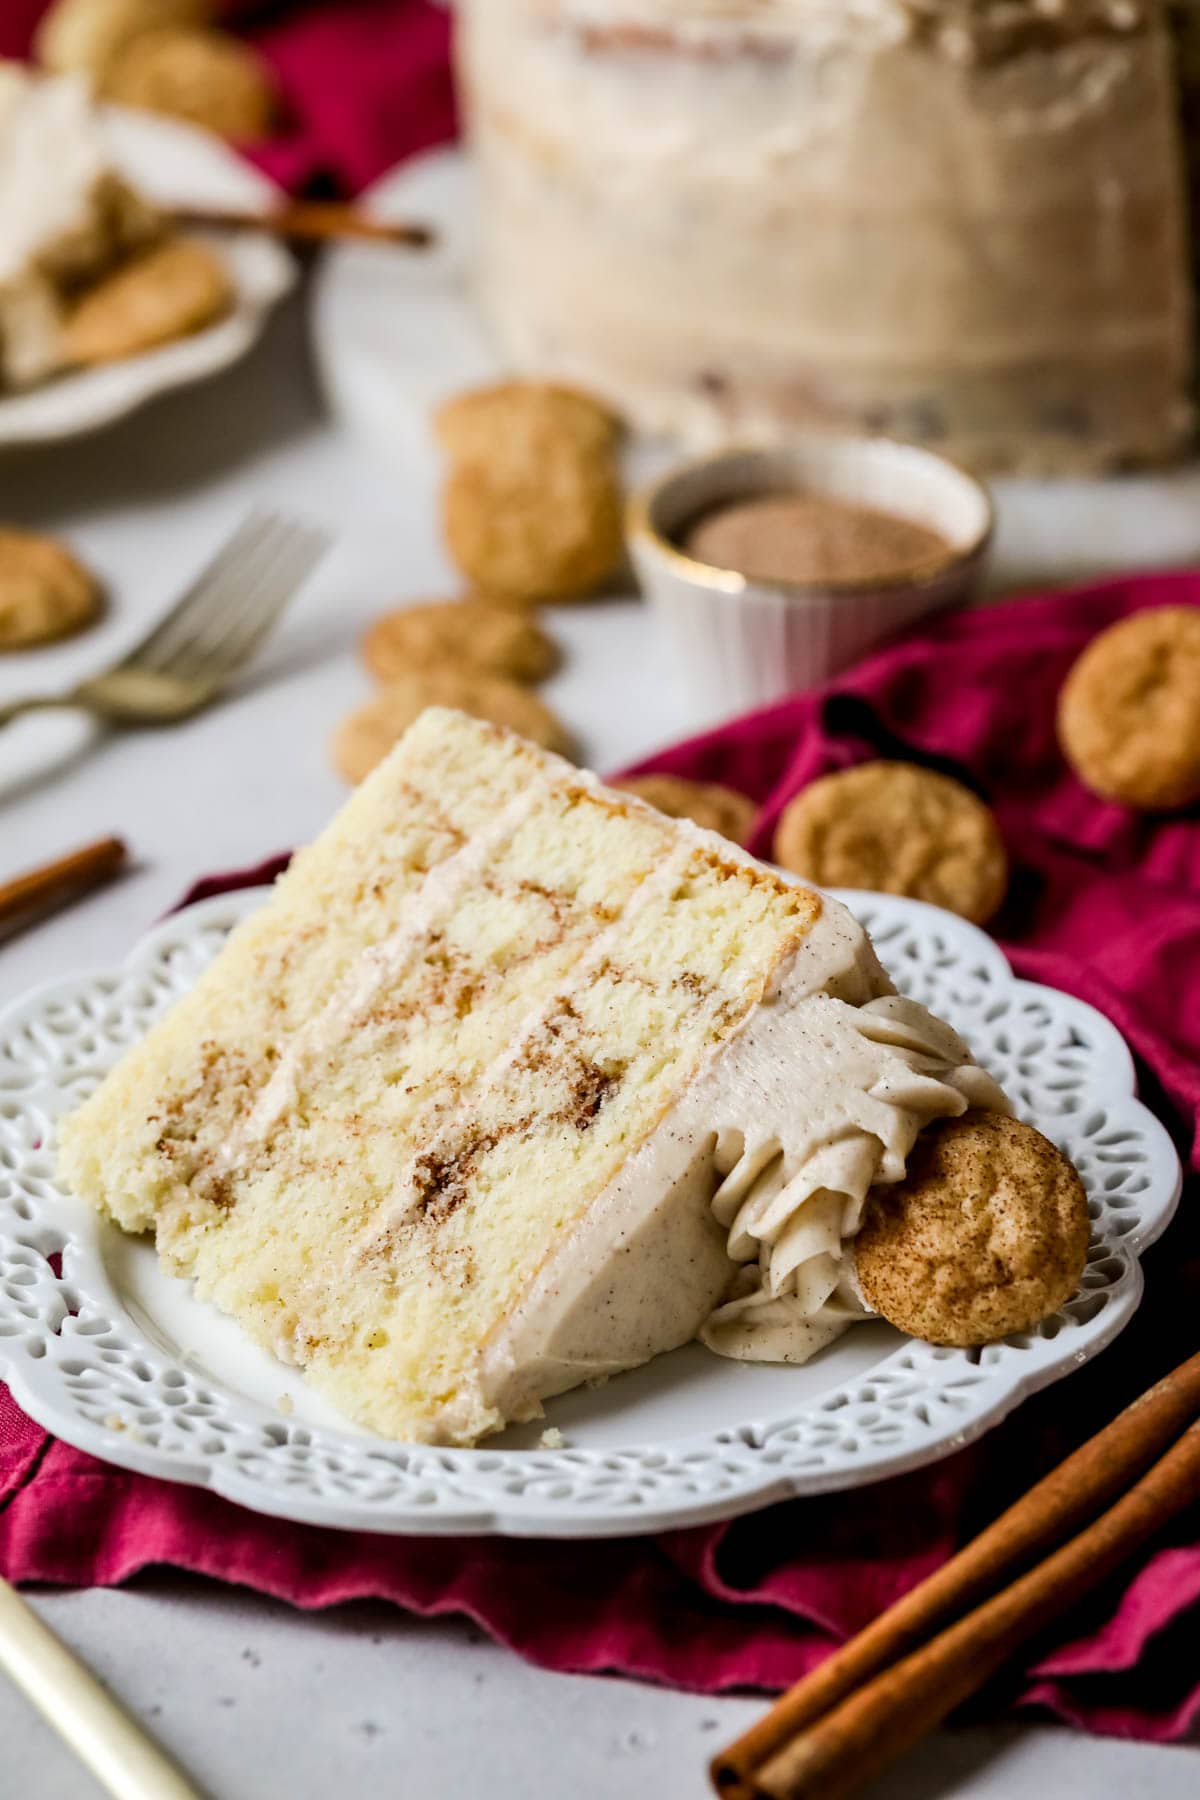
(773, 569)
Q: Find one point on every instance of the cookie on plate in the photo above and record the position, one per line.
(466, 634)
(87, 34)
(45, 593)
(897, 829)
(706, 803)
(170, 292)
(207, 78)
(1129, 711)
(531, 509)
(986, 1235)
(364, 739)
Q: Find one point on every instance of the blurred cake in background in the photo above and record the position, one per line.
(956, 221)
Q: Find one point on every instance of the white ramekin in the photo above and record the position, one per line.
(744, 643)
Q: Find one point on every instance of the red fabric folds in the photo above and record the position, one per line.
(1102, 904)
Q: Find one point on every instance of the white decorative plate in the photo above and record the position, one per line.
(175, 165)
(122, 1361)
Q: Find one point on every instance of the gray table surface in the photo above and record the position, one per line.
(258, 1700)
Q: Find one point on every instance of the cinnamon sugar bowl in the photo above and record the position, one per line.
(772, 569)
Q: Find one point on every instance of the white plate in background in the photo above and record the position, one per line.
(175, 165)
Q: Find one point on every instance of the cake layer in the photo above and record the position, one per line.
(763, 217)
(415, 1069)
(510, 1086)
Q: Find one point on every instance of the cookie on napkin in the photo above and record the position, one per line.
(87, 34)
(209, 79)
(896, 828)
(1129, 711)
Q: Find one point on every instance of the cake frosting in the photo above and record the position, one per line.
(778, 1139)
(52, 162)
(956, 221)
(65, 214)
(516, 1083)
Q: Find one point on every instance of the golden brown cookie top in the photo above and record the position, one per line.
(986, 1235)
(45, 593)
(897, 829)
(169, 292)
(1129, 710)
(547, 528)
(466, 634)
(207, 78)
(531, 508)
(364, 739)
(515, 416)
(706, 803)
(87, 34)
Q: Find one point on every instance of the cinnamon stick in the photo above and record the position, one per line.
(313, 222)
(29, 896)
(1065, 1499)
(868, 1731)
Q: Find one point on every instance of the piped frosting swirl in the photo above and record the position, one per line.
(792, 1206)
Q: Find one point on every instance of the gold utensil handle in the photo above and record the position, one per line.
(101, 1733)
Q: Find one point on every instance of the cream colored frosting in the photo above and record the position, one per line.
(684, 207)
(954, 27)
(870, 1077)
(754, 1181)
(53, 167)
(52, 159)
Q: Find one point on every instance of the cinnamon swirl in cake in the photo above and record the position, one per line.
(514, 1083)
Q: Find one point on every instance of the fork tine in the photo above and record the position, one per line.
(195, 602)
(242, 641)
(222, 651)
(216, 597)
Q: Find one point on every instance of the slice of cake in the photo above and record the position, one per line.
(513, 1084)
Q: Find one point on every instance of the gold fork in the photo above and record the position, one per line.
(186, 660)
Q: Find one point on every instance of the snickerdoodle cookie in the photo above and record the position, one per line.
(987, 1234)
(897, 829)
(471, 425)
(531, 508)
(1129, 711)
(364, 739)
(45, 593)
(706, 803)
(87, 34)
(170, 292)
(207, 78)
(464, 634)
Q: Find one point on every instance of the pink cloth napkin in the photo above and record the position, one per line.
(1102, 904)
(364, 83)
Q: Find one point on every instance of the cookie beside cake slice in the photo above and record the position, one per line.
(513, 1084)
